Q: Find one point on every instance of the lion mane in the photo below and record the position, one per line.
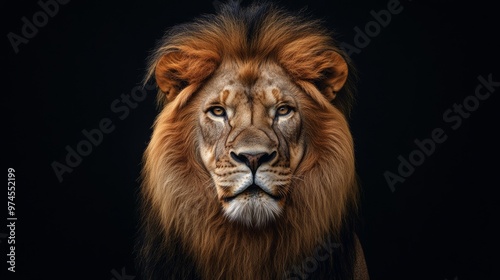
(184, 234)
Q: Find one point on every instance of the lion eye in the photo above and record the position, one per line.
(218, 111)
(283, 110)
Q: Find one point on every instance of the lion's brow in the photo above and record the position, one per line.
(224, 95)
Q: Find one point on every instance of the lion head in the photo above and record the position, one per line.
(251, 163)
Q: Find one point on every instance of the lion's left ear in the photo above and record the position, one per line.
(327, 70)
(334, 73)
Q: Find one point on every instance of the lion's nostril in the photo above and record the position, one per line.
(253, 160)
(267, 157)
(238, 158)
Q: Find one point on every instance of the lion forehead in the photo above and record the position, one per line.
(230, 87)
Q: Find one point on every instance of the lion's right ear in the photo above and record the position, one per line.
(176, 70)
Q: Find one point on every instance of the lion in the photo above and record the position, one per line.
(250, 170)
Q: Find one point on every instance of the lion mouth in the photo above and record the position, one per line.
(252, 191)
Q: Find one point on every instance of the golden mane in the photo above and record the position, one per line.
(184, 234)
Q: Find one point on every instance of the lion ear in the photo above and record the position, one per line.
(334, 72)
(327, 69)
(176, 70)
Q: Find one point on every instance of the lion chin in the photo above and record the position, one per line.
(250, 168)
(253, 207)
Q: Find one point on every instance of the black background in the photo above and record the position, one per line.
(437, 224)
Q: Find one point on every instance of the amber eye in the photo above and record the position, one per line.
(283, 110)
(218, 111)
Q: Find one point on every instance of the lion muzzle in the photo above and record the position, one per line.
(253, 160)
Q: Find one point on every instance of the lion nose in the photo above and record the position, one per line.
(253, 160)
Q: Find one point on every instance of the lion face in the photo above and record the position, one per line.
(251, 141)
